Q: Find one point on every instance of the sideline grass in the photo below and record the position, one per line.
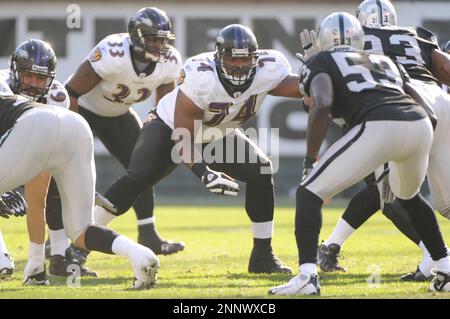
(214, 263)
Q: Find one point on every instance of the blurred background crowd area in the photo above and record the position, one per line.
(73, 29)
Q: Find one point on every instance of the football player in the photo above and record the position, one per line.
(417, 50)
(221, 90)
(36, 138)
(366, 93)
(31, 75)
(122, 70)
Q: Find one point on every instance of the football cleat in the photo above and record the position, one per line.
(161, 247)
(76, 254)
(35, 276)
(145, 267)
(415, 276)
(266, 262)
(59, 267)
(327, 257)
(6, 266)
(440, 282)
(302, 284)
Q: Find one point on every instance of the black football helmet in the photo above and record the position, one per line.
(32, 57)
(446, 47)
(151, 34)
(236, 42)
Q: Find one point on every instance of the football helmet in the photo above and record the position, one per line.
(340, 31)
(32, 66)
(376, 13)
(151, 34)
(446, 47)
(236, 55)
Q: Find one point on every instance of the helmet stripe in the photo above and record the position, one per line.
(380, 11)
(38, 54)
(244, 39)
(341, 29)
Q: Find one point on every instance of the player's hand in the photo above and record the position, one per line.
(220, 183)
(12, 203)
(308, 42)
(387, 196)
(102, 201)
(308, 164)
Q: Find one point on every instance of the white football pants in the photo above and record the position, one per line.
(53, 139)
(405, 144)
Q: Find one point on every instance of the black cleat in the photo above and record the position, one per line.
(60, 267)
(415, 276)
(162, 247)
(266, 262)
(327, 257)
(79, 256)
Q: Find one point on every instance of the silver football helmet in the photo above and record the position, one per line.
(376, 13)
(340, 31)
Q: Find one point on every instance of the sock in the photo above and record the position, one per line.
(36, 252)
(122, 246)
(443, 265)
(424, 220)
(262, 230)
(308, 268)
(399, 217)
(340, 234)
(3, 248)
(362, 206)
(308, 222)
(58, 242)
(99, 238)
(146, 221)
(148, 234)
(102, 217)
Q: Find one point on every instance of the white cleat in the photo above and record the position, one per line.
(6, 266)
(145, 267)
(440, 282)
(302, 284)
(35, 274)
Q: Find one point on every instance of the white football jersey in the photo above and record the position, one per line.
(199, 81)
(122, 85)
(57, 95)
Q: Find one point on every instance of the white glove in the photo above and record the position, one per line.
(308, 42)
(102, 201)
(220, 183)
(387, 196)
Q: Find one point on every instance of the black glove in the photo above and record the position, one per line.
(216, 182)
(308, 164)
(12, 203)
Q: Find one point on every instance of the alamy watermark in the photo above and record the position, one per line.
(228, 145)
(73, 20)
(374, 279)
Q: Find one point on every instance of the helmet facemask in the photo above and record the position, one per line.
(33, 82)
(238, 66)
(155, 46)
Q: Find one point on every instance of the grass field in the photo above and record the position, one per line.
(213, 265)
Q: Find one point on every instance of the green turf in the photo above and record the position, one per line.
(213, 265)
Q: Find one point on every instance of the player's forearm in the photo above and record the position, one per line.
(36, 193)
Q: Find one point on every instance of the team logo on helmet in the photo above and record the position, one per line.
(96, 55)
(181, 77)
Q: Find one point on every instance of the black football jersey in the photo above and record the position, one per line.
(367, 87)
(411, 46)
(11, 107)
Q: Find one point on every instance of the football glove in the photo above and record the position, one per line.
(387, 196)
(308, 164)
(220, 183)
(308, 42)
(102, 201)
(12, 203)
